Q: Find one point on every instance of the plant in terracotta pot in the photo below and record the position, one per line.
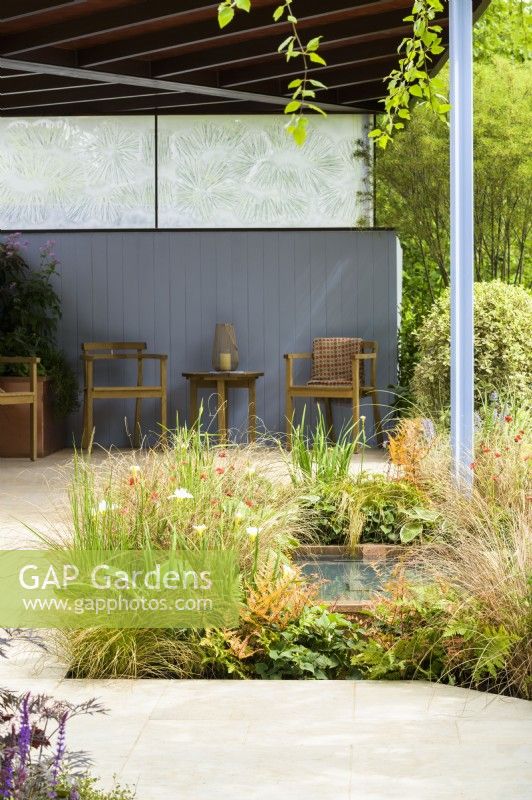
(30, 310)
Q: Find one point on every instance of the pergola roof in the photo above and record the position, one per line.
(66, 57)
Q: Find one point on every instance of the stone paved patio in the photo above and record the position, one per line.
(211, 740)
(362, 740)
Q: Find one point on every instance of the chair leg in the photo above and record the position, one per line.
(164, 401)
(377, 417)
(34, 387)
(33, 431)
(356, 416)
(138, 407)
(289, 416)
(88, 428)
(88, 419)
(329, 418)
(252, 411)
(222, 412)
(193, 403)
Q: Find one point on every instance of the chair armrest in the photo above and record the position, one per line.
(19, 360)
(364, 356)
(292, 356)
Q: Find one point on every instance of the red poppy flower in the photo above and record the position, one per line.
(203, 476)
(508, 418)
(517, 438)
(485, 449)
(473, 465)
(497, 455)
(229, 494)
(249, 503)
(223, 454)
(132, 481)
(154, 496)
(494, 477)
(220, 470)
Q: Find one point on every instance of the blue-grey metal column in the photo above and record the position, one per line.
(462, 340)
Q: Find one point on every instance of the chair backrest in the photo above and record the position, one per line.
(332, 359)
(93, 348)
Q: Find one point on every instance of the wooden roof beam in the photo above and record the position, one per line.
(104, 22)
(371, 17)
(11, 10)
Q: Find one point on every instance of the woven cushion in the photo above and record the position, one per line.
(332, 361)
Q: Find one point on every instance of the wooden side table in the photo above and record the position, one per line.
(222, 381)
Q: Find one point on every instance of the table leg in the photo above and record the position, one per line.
(252, 411)
(193, 402)
(222, 411)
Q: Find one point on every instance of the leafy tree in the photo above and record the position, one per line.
(504, 30)
(413, 195)
(412, 183)
(413, 191)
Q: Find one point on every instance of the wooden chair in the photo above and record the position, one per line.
(338, 373)
(19, 398)
(114, 351)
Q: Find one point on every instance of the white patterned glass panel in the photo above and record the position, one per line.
(77, 172)
(246, 172)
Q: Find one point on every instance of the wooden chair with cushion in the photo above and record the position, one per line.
(29, 397)
(114, 351)
(339, 368)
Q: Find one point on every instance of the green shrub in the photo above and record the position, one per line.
(30, 311)
(87, 789)
(503, 357)
(439, 638)
(370, 509)
(318, 645)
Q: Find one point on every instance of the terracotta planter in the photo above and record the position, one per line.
(15, 422)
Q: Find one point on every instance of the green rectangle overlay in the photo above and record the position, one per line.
(124, 589)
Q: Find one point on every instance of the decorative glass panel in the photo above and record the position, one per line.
(246, 172)
(77, 172)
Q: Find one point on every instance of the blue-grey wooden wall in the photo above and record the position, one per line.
(279, 288)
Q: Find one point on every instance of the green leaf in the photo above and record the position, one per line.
(415, 90)
(313, 44)
(409, 531)
(317, 109)
(317, 84)
(317, 58)
(298, 128)
(278, 13)
(294, 84)
(294, 105)
(374, 133)
(285, 44)
(225, 15)
(243, 5)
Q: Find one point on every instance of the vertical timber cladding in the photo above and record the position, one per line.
(280, 288)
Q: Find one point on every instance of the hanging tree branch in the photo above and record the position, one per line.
(409, 82)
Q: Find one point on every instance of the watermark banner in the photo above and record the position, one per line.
(124, 589)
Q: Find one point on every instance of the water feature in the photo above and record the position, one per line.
(344, 579)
